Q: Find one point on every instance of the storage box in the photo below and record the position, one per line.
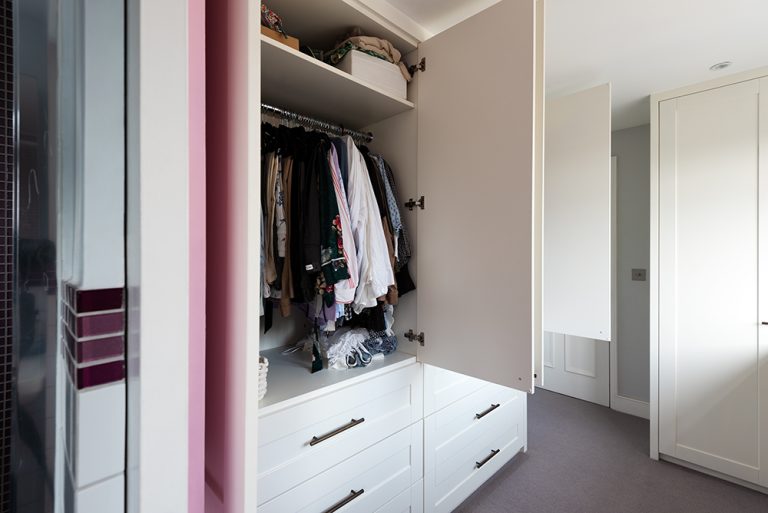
(277, 36)
(377, 72)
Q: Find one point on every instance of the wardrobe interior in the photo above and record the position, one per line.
(419, 210)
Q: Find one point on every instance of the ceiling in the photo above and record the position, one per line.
(639, 46)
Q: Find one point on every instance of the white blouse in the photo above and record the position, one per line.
(376, 275)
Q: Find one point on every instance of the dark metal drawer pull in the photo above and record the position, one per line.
(349, 498)
(352, 423)
(486, 412)
(479, 464)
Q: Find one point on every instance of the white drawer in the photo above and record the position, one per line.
(443, 387)
(370, 411)
(451, 470)
(409, 501)
(368, 480)
(479, 407)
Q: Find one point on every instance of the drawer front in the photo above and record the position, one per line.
(479, 407)
(364, 483)
(451, 470)
(300, 442)
(443, 387)
(409, 501)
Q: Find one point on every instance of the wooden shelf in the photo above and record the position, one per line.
(295, 81)
(290, 381)
(320, 23)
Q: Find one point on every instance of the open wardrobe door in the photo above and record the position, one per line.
(475, 169)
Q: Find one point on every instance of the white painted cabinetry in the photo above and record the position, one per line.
(359, 440)
(368, 444)
(709, 194)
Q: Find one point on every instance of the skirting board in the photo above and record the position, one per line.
(631, 406)
(713, 473)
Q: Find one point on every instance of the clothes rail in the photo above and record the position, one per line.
(310, 122)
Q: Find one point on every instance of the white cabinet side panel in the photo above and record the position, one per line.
(577, 214)
(475, 111)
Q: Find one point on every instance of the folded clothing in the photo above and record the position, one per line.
(371, 45)
(356, 347)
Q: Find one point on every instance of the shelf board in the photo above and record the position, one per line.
(297, 82)
(320, 23)
(290, 380)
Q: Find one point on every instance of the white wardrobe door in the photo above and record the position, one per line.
(763, 352)
(708, 276)
(577, 214)
(475, 166)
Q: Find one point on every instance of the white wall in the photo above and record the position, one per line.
(632, 149)
(158, 256)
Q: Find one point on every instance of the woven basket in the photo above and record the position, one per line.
(263, 368)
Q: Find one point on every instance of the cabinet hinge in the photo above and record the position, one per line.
(421, 66)
(411, 204)
(413, 337)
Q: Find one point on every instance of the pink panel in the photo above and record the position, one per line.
(197, 255)
(226, 109)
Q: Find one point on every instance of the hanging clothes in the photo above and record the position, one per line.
(332, 237)
(345, 289)
(376, 273)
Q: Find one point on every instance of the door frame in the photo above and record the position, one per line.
(653, 270)
(613, 349)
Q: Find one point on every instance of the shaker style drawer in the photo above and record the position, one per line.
(409, 501)
(457, 464)
(479, 407)
(302, 441)
(364, 483)
(443, 387)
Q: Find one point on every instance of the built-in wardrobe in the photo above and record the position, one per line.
(709, 287)
(423, 427)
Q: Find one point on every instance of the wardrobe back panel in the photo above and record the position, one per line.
(396, 139)
(475, 168)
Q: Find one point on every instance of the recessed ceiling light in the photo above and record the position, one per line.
(720, 65)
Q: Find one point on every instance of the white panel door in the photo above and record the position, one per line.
(578, 367)
(577, 214)
(475, 168)
(709, 394)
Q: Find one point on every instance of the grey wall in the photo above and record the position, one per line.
(632, 149)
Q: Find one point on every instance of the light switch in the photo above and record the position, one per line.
(638, 274)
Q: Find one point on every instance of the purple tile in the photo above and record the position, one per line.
(95, 325)
(98, 300)
(99, 349)
(86, 351)
(70, 343)
(100, 374)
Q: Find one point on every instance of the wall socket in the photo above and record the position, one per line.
(638, 274)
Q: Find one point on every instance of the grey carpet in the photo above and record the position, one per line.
(584, 458)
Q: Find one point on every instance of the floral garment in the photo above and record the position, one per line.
(332, 259)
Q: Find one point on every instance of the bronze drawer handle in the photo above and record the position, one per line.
(352, 423)
(349, 498)
(479, 464)
(486, 412)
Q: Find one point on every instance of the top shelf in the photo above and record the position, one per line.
(297, 82)
(320, 23)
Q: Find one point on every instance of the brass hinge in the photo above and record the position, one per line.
(413, 337)
(411, 204)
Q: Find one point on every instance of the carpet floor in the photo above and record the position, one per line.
(585, 458)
